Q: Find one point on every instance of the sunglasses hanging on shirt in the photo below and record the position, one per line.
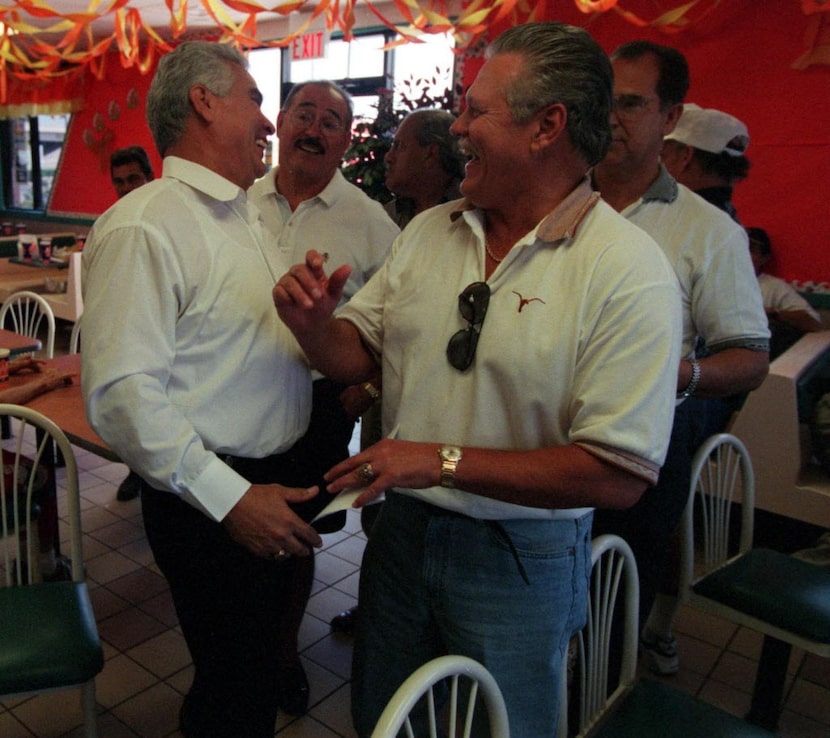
(472, 303)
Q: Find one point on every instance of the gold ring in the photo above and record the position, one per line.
(365, 473)
(280, 555)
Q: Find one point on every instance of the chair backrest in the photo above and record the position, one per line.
(75, 337)
(467, 677)
(24, 312)
(70, 304)
(614, 593)
(722, 477)
(27, 470)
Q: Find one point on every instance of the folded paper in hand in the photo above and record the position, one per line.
(342, 501)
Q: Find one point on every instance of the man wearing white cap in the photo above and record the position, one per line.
(706, 152)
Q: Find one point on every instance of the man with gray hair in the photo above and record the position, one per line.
(424, 165)
(193, 381)
(526, 337)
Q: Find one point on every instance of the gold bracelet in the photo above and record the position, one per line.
(372, 391)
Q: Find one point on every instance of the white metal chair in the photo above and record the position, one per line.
(24, 313)
(75, 337)
(48, 635)
(786, 599)
(624, 706)
(466, 677)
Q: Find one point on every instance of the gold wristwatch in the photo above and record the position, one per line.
(450, 456)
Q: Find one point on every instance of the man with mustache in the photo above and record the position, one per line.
(307, 203)
(527, 336)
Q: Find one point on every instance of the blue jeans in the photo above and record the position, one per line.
(507, 593)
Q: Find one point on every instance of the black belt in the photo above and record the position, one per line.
(280, 467)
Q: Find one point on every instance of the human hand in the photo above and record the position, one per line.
(305, 296)
(356, 401)
(26, 364)
(52, 378)
(262, 521)
(389, 463)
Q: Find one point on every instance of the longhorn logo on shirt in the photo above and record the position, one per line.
(523, 301)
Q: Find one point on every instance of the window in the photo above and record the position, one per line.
(361, 66)
(30, 149)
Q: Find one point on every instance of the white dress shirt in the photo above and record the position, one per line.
(184, 358)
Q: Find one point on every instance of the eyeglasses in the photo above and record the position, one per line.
(328, 122)
(630, 107)
(472, 303)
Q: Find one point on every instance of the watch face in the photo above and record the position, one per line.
(451, 453)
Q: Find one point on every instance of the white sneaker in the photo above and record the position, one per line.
(660, 653)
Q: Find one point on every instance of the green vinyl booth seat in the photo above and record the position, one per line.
(48, 637)
(785, 592)
(654, 709)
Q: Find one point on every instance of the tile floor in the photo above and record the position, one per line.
(148, 668)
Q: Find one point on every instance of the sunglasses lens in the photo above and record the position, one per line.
(473, 302)
(462, 348)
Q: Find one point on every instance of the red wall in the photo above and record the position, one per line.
(113, 117)
(740, 58)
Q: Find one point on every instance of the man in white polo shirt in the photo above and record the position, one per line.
(720, 296)
(528, 337)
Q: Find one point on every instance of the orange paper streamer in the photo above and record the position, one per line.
(25, 56)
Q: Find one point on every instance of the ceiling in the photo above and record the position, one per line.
(154, 14)
(47, 40)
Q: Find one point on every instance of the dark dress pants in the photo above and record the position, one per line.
(229, 604)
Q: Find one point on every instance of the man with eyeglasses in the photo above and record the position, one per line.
(527, 336)
(721, 305)
(306, 202)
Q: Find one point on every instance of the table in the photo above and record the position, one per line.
(17, 277)
(65, 407)
(18, 344)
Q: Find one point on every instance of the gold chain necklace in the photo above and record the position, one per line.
(491, 254)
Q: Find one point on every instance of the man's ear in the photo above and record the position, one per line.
(551, 122)
(672, 116)
(686, 157)
(202, 101)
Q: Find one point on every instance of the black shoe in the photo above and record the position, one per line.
(187, 722)
(345, 622)
(130, 488)
(292, 692)
(62, 571)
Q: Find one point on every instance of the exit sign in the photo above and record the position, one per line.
(310, 45)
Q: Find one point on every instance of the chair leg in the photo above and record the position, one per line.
(51, 493)
(90, 709)
(769, 684)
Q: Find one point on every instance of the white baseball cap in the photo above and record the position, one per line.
(710, 130)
